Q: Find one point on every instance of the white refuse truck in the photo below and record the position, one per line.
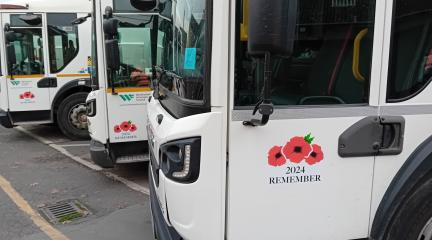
(288, 119)
(45, 63)
(123, 60)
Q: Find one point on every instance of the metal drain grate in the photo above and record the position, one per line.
(64, 212)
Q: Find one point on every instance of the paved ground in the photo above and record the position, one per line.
(47, 168)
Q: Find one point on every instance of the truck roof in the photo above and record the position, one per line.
(46, 6)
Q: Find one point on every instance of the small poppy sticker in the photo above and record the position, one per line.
(296, 150)
(298, 153)
(125, 130)
(126, 126)
(27, 97)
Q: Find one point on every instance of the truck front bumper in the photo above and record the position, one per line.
(99, 155)
(162, 230)
(5, 120)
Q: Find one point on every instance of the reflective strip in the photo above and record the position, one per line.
(74, 75)
(129, 90)
(27, 76)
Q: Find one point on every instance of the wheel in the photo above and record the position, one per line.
(414, 220)
(72, 117)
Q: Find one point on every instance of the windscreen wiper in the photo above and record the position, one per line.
(159, 73)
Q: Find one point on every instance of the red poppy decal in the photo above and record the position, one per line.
(275, 157)
(133, 128)
(27, 95)
(126, 126)
(297, 150)
(117, 129)
(315, 156)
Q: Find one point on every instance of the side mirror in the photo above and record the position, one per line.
(11, 57)
(80, 20)
(112, 52)
(272, 27)
(110, 27)
(144, 5)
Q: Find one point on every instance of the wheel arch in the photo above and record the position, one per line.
(74, 86)
(417, 167)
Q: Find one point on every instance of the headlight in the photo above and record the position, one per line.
(180, 160)
(91, 108)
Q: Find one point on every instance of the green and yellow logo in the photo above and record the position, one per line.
(15, 83)
(127, 97)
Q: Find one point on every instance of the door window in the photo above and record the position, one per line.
(410, 68)
(135, 51)
(331, 61)
(62, 40)
(28, 52)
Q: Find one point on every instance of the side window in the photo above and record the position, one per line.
(331, 61)
(135, 51)
(28, 52)
(62, 40)
(410, 68)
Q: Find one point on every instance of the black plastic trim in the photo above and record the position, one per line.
(413, 172)
(99, 154)
(70, 85)
(5, 120)
(30, 116)
(163, 231)
(48, 82)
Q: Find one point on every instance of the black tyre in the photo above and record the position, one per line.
(414, 220)
(72, 117)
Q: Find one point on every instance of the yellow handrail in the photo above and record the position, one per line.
(244, 32)
(356, 55)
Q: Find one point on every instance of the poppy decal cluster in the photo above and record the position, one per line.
(27, 95)
(297, 150)
(126, 126)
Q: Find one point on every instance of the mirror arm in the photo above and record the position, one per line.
(264, 106)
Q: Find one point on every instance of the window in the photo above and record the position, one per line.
(94, 67)
(28, 52)
(189, 47)
(135, 50)
(62, 40)
(331, 60)
(410, 68)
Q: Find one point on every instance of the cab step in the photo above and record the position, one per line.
(133, 158)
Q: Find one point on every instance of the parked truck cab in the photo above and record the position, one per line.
(44, 69)
(123, 39)
(293, 120)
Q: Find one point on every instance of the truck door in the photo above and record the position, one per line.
(29, 68)
(305, 175)
(408, 47)
(126, 111)
(3, 87)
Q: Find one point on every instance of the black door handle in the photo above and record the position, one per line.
(373, 136)
(48, 82)
(393, 135)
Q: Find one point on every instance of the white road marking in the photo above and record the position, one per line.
(92, 166)
(75, 145)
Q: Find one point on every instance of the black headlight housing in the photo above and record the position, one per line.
(180, 160)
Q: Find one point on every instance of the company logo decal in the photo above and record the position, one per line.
(127, 97)
(299, 155)
(126, 130)
(15, 83)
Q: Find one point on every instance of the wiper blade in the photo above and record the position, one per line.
(160, 74)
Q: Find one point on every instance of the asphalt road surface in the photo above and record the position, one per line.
(39, 167)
